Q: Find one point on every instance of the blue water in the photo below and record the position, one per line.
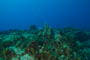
(20, 14)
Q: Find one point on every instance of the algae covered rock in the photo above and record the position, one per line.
(45, 44)
(32, 27)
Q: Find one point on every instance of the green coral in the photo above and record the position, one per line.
(44, 44)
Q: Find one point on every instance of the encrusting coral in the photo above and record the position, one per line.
(44, 44)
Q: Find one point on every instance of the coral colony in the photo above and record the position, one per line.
(45, 44)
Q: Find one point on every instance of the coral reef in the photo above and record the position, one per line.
(33, 27)
(45, 44)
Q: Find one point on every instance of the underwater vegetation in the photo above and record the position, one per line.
(45, 44)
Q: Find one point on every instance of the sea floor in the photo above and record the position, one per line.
(45, 44)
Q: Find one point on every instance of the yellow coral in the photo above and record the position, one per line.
(79, 58)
